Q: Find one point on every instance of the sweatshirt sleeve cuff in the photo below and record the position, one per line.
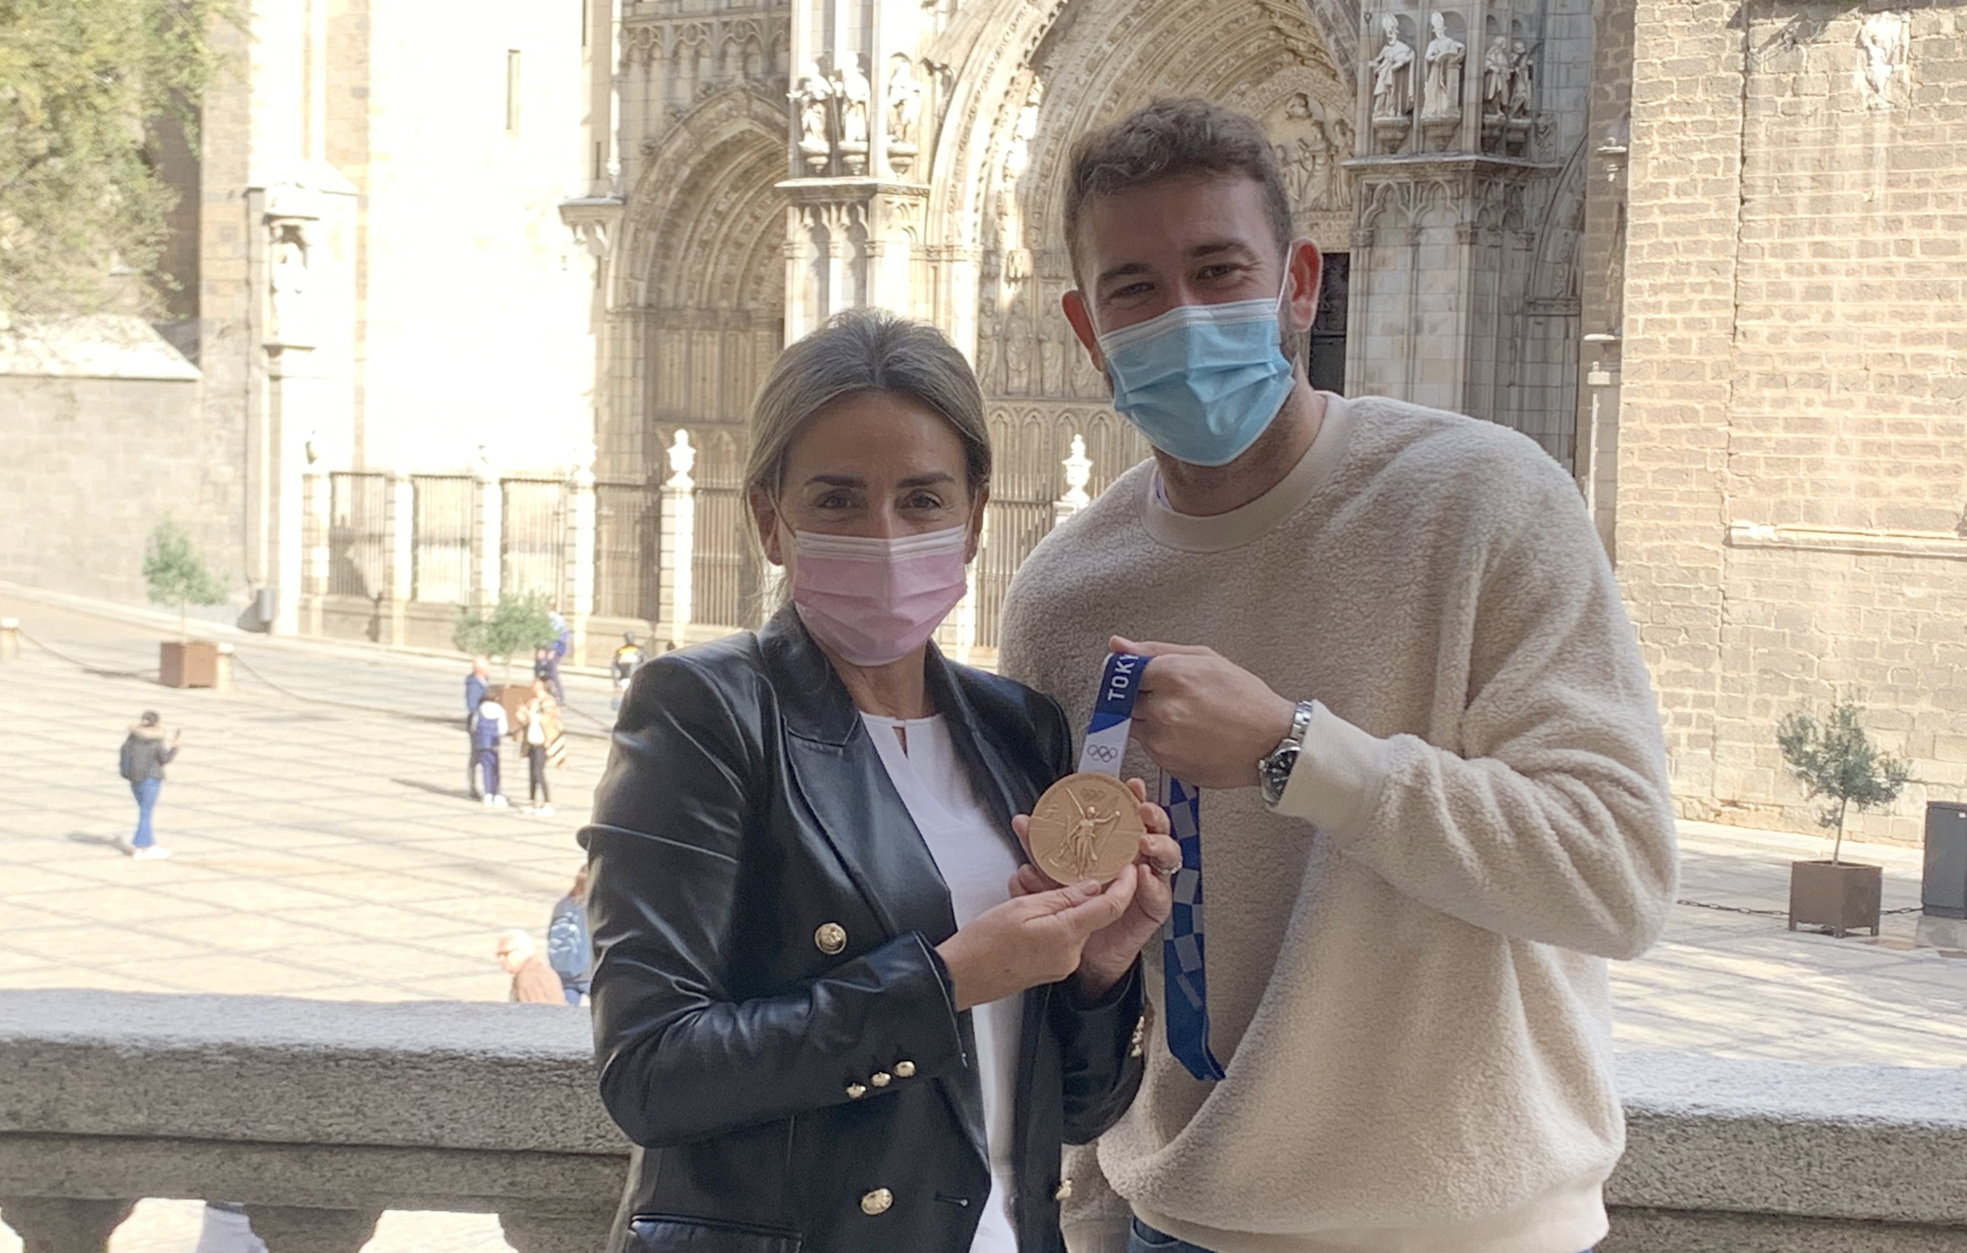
(1340, 771)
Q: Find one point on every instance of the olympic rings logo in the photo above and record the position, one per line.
(1102, 752)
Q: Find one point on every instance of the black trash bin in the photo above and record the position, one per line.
(1943, 889)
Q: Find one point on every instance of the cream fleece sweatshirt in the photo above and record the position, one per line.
(1406, 961)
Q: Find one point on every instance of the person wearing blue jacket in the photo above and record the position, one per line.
(475, 684)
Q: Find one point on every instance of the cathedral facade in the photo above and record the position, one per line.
(768, 165)
(474, 303)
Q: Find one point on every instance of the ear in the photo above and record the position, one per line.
(1074, 305)
(1306, 267)
(971, 548)
(765, 516)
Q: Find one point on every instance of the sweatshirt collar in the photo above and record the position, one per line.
(1224, 531)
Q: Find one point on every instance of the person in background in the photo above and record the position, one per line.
(556, 651)
(545, 742)
(475, 684)
(628, 657)
(533, 981)
(142, 762)
(567, 948)
(488, 726)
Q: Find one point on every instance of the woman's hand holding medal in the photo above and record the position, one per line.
(1108, 952)
(1086, 931)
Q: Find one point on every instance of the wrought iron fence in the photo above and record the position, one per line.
(440, 550)
(358, 537)
(724, 575)
(532, 537)
(1020, 512)
(627, 550)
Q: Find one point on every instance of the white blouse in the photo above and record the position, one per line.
(977, 862)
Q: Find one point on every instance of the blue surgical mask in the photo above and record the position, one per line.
(1201, 381)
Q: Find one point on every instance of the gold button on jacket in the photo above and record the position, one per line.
(830, 938)
(904, 1070)
(855, 1091)
(880, 1078)
(1064, 1191)
(877, 1202)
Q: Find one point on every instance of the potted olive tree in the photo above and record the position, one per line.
(1835, 760)
(177, 575)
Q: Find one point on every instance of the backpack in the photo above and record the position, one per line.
(566, 942)
(126, 760)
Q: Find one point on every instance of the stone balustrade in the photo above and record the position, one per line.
(319, 1115)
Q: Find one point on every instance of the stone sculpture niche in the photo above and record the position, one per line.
(904, 114)
(1393, 101)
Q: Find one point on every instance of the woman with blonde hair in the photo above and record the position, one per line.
(833, 1005)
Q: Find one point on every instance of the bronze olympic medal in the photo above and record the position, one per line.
(1086, 826)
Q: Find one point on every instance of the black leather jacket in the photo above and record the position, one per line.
(773, 1025)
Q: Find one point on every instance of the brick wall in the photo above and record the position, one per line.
(1796, 357)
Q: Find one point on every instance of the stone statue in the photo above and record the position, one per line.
(810, 98)
(854, 91)
(287, 278)
(1393, 69)
(904, 104)
(1881, 40)
(1495, 78)
(1443, 94)
(1521, 80)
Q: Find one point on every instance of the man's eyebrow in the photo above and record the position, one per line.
(1208, 248)
(1124, 270)
(1218, 247)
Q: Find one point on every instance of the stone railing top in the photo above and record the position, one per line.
(284, 1070)
(1856, 1142)
(1850, 1142)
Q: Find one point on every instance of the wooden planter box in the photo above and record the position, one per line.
(1843, 897)
(188, 663)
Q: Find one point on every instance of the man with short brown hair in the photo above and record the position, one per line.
(1433, 788)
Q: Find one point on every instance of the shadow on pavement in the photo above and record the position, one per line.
(456, 793)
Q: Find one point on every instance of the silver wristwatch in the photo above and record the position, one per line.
(1274, 771)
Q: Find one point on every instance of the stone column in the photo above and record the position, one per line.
(48, 1224)
(487, 532)
(318, 492)
(578, 593)
(400, 528)
(1597, 464)
(298, 1229)
(679, 538)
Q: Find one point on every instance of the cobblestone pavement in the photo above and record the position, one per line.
(325, 847)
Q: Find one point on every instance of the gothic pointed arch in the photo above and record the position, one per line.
(697, 313)
(697, 280)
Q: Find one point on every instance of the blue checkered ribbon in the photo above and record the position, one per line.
(1185, 985)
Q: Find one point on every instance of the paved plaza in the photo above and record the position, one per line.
(325, 846)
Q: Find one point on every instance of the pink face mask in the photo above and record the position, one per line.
(873, 601)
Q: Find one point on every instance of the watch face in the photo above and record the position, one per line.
(1276, 771)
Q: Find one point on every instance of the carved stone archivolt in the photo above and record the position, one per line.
(1312, 142)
